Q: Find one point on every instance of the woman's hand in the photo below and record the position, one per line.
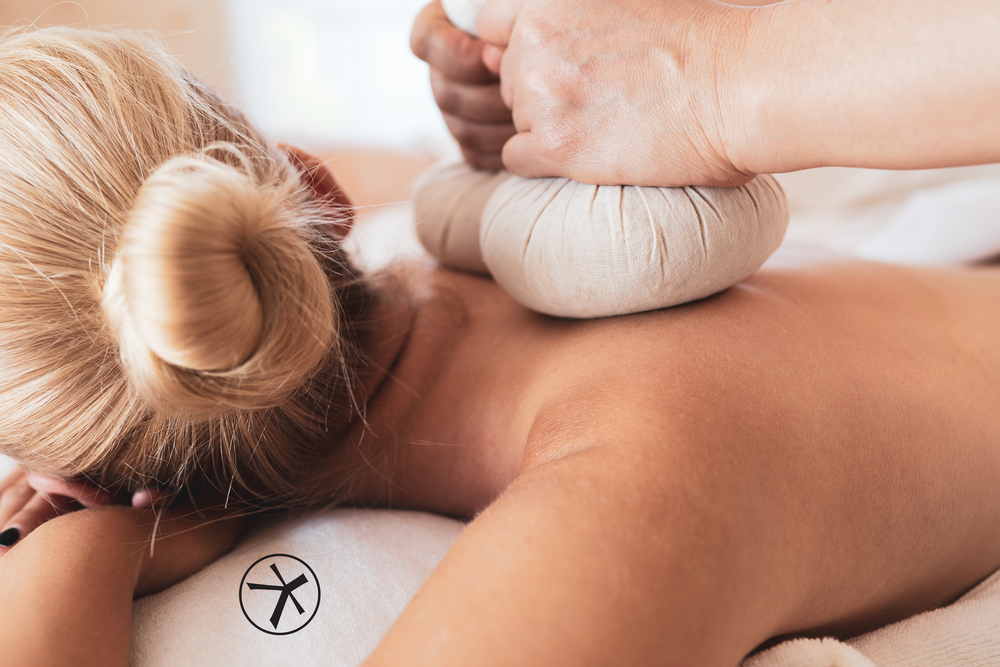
(467, 93)
(28, 500)
(23, 508)
(183, 541)
(68, 586)
(613, 92)
(69, 577)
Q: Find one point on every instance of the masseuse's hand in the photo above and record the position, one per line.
(695, 92)
(467, 93)
(616, 92)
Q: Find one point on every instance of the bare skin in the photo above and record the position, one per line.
(698, 92)
(813, 449)
(467, 93)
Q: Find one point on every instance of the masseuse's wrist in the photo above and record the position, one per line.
(705, 44)
(761, 106)
(732, 29)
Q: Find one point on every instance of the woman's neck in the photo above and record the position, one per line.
(398, 353)
(399, 451)
(391, 320)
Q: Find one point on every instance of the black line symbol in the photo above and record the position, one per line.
(286, 591)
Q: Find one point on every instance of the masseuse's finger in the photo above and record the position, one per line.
(522, 115)
(490, 161)
(37, 510)
(493, 58)
(479, 137)
(495, 27)
(454, 53)
(523, 155)
(509, 69)
(478, 102)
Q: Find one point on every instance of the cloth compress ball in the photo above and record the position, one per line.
(573, 250)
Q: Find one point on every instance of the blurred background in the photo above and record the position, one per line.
(335, 76)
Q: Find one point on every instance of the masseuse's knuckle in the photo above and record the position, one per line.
(535, 86)
(531, 32)
(557, 139)
(541, 97)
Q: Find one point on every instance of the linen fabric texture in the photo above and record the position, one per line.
(574, 250)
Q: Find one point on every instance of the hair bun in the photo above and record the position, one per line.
(217, 295)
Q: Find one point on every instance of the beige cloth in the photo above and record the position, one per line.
(574, 250)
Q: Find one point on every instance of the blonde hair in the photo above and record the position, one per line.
(171, 307)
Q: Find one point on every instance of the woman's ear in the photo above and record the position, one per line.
(328, 193)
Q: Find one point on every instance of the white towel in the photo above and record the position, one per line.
(963, 634)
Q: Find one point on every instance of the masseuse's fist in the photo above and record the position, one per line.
(612, 92)
(467, 93)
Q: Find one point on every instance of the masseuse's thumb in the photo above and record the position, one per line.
(496, 21)
(523, 156)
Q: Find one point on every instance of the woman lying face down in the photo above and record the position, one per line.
(176, 302)
(810, 451)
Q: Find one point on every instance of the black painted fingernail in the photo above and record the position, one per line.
(9, 537)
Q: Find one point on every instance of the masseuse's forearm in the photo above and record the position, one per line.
(67, 592)
(897, 84)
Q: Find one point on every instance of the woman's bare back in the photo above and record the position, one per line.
(816, 448)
